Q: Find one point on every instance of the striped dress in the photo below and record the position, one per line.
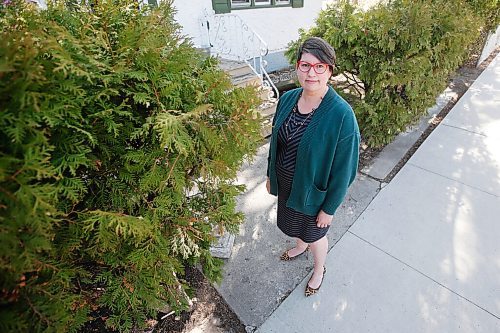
(291, 222)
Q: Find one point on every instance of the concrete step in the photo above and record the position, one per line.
(266, 126)
(268, 109)
(235, 68)
(266, 93)
(246, 80)
(224, 245)
(241, 74)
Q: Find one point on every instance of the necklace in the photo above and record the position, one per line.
(294, 121)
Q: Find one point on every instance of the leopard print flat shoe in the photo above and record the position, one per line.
(311, 291)
(286, 257)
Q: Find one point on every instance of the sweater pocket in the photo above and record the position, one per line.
(315, 197)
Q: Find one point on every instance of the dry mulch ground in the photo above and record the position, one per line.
(209, 313)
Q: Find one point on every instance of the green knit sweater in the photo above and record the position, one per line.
(327, 156)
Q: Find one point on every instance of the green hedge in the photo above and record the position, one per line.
(397, 55)
(119, 146)
(489, 10)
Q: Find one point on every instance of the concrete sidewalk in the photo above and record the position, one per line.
(425, 254)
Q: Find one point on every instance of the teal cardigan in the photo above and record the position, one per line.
(327, 156)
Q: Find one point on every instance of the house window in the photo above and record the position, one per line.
(225, 6)
(236, 4)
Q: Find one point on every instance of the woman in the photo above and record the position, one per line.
(313, 156)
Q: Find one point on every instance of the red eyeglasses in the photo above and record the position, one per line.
(305, 67)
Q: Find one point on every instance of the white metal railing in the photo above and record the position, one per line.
(231, 38)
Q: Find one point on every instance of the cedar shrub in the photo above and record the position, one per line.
(120, 143)
(397, 56)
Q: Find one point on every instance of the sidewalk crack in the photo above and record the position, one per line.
(425, 275)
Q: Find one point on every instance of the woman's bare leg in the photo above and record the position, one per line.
(319, 250)
(299, 248)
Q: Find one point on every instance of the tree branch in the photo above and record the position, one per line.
(33, 308)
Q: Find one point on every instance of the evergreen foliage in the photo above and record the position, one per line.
(397, 57)
(489, 10)
(119, 148)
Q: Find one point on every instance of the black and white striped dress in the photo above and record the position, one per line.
(291, 222)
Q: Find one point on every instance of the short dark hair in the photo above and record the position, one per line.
(319, 48)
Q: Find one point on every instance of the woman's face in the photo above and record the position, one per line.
(310, 80)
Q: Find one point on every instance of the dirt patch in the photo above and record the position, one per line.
(209, 313)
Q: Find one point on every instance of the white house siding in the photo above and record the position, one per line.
(365, 4)
(189, 13)
(277, 26)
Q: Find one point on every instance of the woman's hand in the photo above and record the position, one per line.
(323, 220)
(268, 185)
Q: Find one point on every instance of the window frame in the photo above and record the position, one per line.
(226, 6)
(253, 5)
